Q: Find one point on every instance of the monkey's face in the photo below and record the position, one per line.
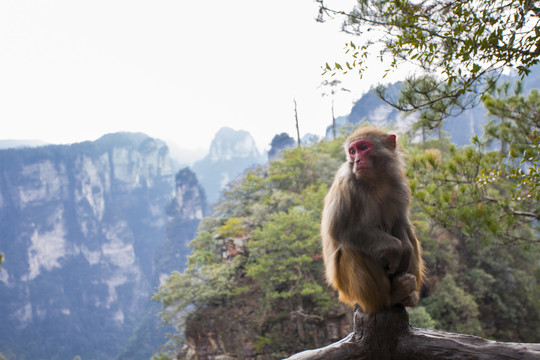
(361, 157)
(371, 154)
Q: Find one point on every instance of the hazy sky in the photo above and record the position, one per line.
(177, 70)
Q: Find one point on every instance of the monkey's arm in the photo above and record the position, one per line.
(376, 244)
(403, 231)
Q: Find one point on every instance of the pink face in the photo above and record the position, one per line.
(359, 152)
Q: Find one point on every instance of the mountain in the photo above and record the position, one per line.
(84, 229)
(460, 128)
(370, 108)
(279, 143)
(231, 152)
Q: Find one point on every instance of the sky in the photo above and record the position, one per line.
(178, 70)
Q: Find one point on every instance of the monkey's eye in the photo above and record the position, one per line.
(352, 151)
(363, 147)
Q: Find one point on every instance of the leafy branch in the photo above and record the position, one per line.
(463, 46)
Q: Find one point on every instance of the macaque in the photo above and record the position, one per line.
(371, 254)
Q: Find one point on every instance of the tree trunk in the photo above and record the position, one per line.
(388, 335)
(333, 119)
(297, 127)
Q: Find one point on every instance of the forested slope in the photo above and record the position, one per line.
(254, 283)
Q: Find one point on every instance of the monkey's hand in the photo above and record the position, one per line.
(404, 290)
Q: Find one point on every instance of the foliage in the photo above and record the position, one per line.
(490, 244)
(456, 43)
(454, 309)
(285, 253)
(233, 227)
(419, 317)
(161, 357)
(516, 126)
(445, 181)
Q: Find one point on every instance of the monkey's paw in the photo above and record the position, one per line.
(404, 290)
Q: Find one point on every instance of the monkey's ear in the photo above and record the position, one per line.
(392, 141)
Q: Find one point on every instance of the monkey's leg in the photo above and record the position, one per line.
(362, 281)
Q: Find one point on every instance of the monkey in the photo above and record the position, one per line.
(371, 254)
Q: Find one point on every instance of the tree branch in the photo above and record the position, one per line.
(513, 211)
(387, 335)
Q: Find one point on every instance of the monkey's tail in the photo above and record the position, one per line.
(419, 269)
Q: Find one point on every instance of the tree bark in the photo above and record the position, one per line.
(388, 336)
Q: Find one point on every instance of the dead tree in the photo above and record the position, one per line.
(388, 335)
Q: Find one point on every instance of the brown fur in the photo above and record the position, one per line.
(371, 253)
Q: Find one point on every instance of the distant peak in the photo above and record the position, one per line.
(229, 143)
(136, 137)
(227, 132)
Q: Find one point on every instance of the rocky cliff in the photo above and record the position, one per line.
(184, 213)
(80, 227)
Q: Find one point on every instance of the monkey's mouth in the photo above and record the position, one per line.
(360, 169)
